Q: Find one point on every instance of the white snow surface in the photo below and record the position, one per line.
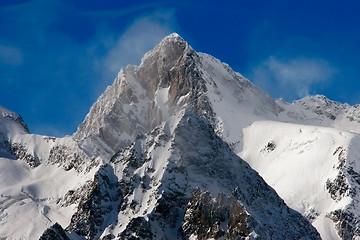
(303, 159)
(28, 198)
(235, 100)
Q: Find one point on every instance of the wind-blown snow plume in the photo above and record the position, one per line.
(299, 74)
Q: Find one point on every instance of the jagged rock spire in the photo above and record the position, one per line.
(142, 96)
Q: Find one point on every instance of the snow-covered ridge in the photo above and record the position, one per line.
(140, 98)
(36, 171)
(301, 162)
(163, 172)
(172, 77)
(320, 111)
(11, 123)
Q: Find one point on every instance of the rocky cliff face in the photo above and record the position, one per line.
(209, 217)
(54, 232)
(171, 77)
(97, 204)
(142, 97)
(182, 181)
(12, 124)
(346, 186)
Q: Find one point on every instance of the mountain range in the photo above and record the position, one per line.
(183, 147)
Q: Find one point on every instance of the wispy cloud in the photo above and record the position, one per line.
(141, 36)
(292, 78)
(71, 54)
(10, 55)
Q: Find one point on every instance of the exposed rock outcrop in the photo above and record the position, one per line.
(55, 232)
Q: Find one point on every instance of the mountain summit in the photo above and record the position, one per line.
(171, 77)
(183, 147)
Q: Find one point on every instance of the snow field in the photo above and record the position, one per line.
(298, 165)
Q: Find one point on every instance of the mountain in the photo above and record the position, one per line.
(182, 181)
(172, 77)
(319, 111)
(36, 171)
(313, 164)
(203, 191)
(161, 154)
(143, 96)
(159, 187)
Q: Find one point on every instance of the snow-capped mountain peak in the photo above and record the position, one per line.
(170, 78)
(161, 155)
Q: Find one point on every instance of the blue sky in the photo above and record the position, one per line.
(57, 57)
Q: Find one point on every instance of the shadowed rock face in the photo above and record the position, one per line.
(204, 190)
(96, 204)
(142, 97)
(170, 78)
(181, 182)
(159, 65)
(55, 232)
(208, 217)
(172, 65)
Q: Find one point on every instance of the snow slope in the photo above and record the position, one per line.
(36, 172)
(29, 198)
(311, 161)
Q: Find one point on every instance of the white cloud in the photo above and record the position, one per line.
(293, 78)
(10, 55)
(140, 37)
